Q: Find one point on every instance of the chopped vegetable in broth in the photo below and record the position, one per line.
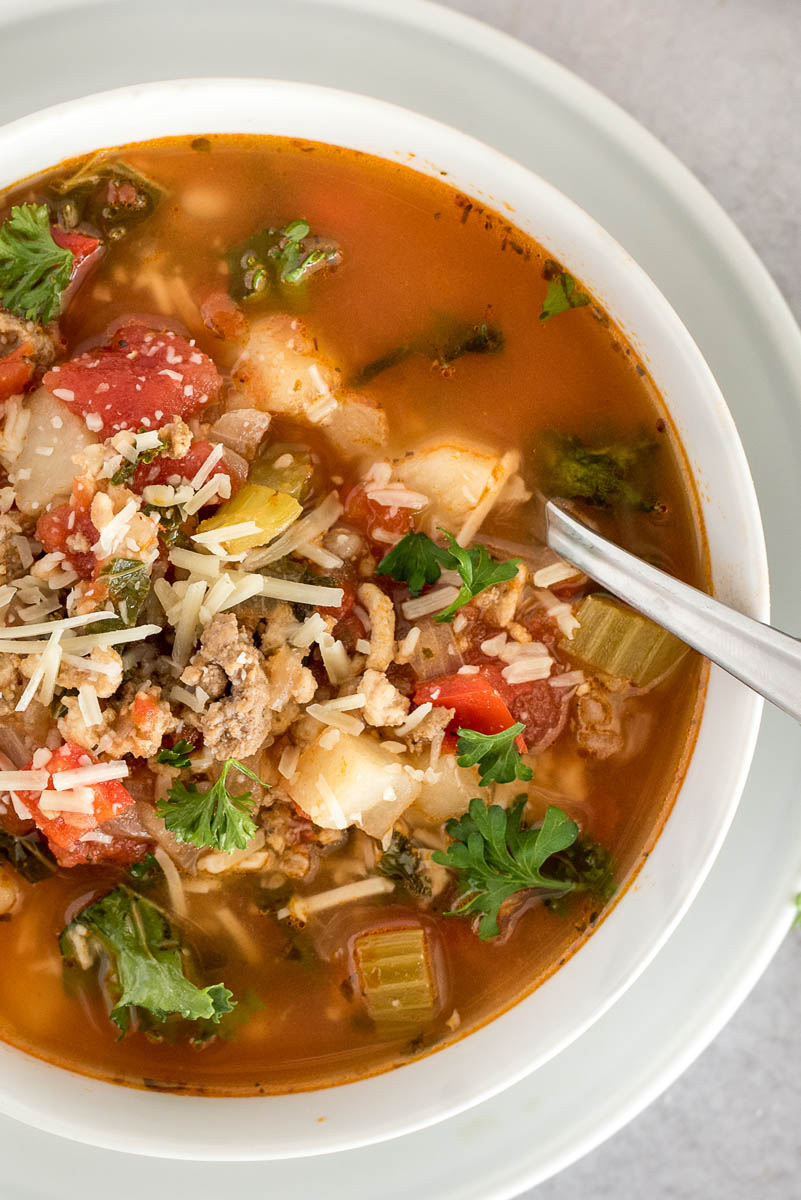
(312, 757)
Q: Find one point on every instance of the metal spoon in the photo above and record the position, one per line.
(764, 658)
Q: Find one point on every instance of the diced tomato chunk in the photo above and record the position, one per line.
(16, 371)
(80, 245)
(477, 702)
(66, 829)
(143, 377)
(162, 470)
(66, 523)
(120, 851)
(373, 518)
(543, 709)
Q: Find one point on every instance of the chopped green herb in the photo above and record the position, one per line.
(212, 818)
(601, 476)
(171, 522)
(274, 258)
(478, 572)
(146, 870)
(28, 855)
(128, 582)
(561, 293)
(450, 341)
(496, 755)
(495, 858)
(111, 196)
(177, 755)
(588, 866)
(402, 862)
(127, 469)
(146, 959)
(34, 271)
(417, 561)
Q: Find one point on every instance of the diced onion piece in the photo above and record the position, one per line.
(396, 978)
(621, 642)
(270, 511)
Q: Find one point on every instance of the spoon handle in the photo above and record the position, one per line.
(766, 659)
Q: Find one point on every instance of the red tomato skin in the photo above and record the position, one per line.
(477, 702)
(110, 799)
(16, 371)
(142, 378)
(53, 528)
(80, 245)
(368, 516)
(161, 469)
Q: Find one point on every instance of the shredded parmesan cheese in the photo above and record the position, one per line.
(24, 781)
(86, 777)
(338, 719)
(423, 606)
(300, 908)
(90, 707)
(556, 572)
(186, 627)
(414, 718)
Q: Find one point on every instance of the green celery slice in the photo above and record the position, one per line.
(618, 641)
(396, 978)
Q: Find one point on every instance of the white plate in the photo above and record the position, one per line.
(474, 78)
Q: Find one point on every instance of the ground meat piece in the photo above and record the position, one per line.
(104, 684)
(498, 604)
(596, 723)
(11, 683)
(10, 564)
(433, 724)
(15, 332)
(382, 625)
(280, 623)
(235, 725)
(136, 728)
(177, 437)
(385, 704)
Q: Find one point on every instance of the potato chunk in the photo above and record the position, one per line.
(44, 470)
(458, 478)
(355, 782)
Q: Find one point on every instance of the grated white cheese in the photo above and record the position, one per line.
(44, 673)
(338, 719)
(556, 572)
(22, 810)
(527, 670)
(96, 668)
(467, 670)
(414, 718)
(320, 556)
(219, 593)
(205, 565)
(89, 706)
(330, 738)
(196, 700)
(344, 703)
(395, 495)
(186, 626)
(301, 593)
(335, 658)
(207, 466)
(309, 631)
(493, 646)
(22, 546)
(76, 800)
(288, 762)
(7, 594)
(305, 530)
(173, 880)
(423, 606)
(363, 646)
(24, 781)
(218, 485)
(50, 627)
(300, 908)
(514, 651)
(245, 588)
(567, 679)
(226, 533)
(86, 777)
(115, 529)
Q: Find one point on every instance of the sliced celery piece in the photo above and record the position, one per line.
(293, 477)
(272, 511)
(619, 641)
(396, 978)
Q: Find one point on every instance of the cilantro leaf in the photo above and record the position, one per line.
(478, 572)
(601, 476)
(212, 818)
(402, 862)
(561, 293)
(147, 969)
(177, 755)
(496, 858)
(127, 469)
(34, 271)
(128, 582)
(496, 754)
(273, 258)
(416, 560)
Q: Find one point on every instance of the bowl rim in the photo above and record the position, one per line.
(59, 1100)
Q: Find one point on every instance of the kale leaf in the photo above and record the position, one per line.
(602, 476)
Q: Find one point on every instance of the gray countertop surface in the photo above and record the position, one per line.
(718, 82)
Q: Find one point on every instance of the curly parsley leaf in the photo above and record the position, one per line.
(212, 818)
(495, 858)
(561, 293)
(34, 271)
(146, 959)
(478, 572)
(603, 476)
(401, 861)
(128, 582)
(177, 755)
(417, 561)
(273, 258)
(496, 755)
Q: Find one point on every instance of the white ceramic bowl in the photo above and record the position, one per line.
(514, 1044)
